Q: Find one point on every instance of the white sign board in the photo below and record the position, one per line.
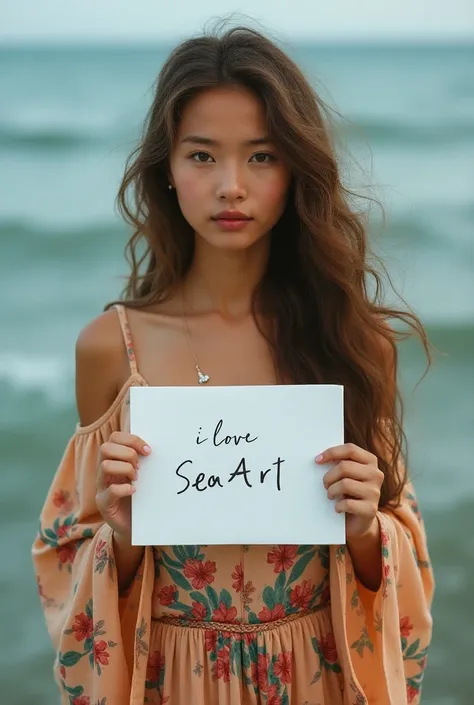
(235, 465)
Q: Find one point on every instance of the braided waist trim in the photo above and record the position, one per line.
(237, 627)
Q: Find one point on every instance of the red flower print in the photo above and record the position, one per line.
(101, 655)
(405, 626)
(210, 638)
(282, 667)
(198, 612)
(386, 571)
(83, 627)
(238, 578)
(154, 667)
(267, 615)
(82, 700)
(384, 537)
(328, 647)
(66, 553)
(247, 591)
(301, 595)
(199, 573)
(222, 667)
(412, 692)
(224, 614)
(61, 500)
(167, 595)
(62, 530)
(101, 552)
(259, 672)
(62, 671)
(283, 557)
(272, 696)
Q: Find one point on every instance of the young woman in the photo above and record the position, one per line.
(248, 268)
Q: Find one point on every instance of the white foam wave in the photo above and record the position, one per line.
(49, 375)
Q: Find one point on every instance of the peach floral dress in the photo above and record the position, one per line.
(224, 625)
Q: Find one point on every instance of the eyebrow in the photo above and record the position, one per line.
(198, 139)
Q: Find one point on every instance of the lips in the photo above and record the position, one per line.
(231, 215)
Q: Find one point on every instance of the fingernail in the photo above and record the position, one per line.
(319, 458)
(146, 449)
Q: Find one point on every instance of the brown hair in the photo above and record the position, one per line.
(325, 325)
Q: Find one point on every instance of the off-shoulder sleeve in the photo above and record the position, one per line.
(98, 637)
(387, 633)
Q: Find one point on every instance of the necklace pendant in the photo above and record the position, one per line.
(202, 378)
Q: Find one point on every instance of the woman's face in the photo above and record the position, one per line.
(222, 161)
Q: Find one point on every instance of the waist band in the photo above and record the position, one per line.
(237, 627)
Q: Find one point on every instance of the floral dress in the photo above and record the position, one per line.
(225, 625)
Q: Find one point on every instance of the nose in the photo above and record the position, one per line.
(231, 186)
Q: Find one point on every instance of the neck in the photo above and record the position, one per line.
(224, 281)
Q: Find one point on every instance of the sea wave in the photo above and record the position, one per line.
(392, 132)
(428, 224)
(61, 132)
(65, 134)
(52, 375)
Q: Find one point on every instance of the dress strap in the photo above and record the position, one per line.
(127, 337)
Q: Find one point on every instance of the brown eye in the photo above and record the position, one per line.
(264, 158)
(197, 157)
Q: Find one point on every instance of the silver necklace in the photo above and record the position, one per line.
(202, 377)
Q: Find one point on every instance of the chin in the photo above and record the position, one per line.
(234, 242)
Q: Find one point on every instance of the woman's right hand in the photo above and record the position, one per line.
(118, 467)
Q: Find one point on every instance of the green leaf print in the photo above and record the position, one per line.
(180, 554)
(236, 657)
(411, 651)
(75, 692)
(202, 599)
(226, 598)
(212, 595)
(89, 609)
(280, 588)
(253, 619)
(245, 655)
(191, 551)
(300, 566)
(70, 658)
(170, 562)
(185, 609)
(363, 642)
(269, 597)
(272, 678)
(179, 579)
(303, 549)
(323, 552)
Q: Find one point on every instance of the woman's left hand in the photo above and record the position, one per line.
(355, 481)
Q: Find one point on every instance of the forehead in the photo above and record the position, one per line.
(232, 113)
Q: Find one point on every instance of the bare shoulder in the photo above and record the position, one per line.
(100, 360)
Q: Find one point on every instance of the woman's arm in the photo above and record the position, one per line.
(100, 363)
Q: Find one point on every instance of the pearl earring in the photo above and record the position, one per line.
(170, 187)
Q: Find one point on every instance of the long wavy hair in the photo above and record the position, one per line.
(322, 319)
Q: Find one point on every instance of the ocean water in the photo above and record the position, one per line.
(69, 117)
